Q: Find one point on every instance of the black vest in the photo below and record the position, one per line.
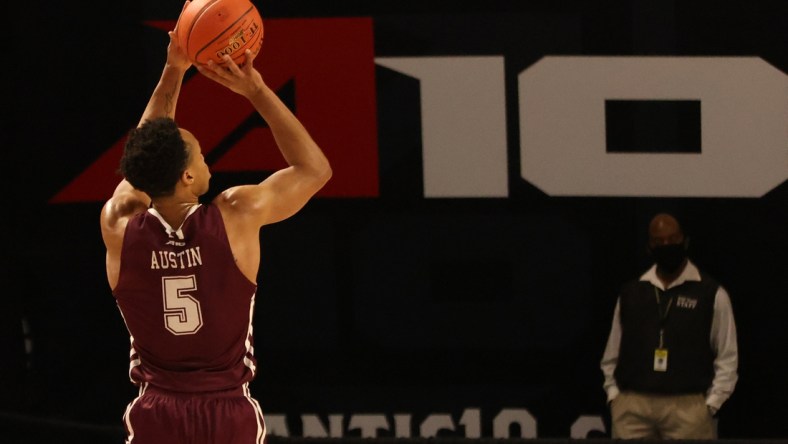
(687, 330)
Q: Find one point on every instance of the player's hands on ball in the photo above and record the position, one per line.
(245, 80)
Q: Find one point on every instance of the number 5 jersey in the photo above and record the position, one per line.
(186, 304)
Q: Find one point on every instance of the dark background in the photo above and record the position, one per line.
(388, 304)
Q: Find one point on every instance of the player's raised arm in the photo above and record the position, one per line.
(286, 191)
(126, 201)
(165, 96)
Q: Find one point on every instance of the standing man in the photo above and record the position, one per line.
(184, 273)
(671, 357)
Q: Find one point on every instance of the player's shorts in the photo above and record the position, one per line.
(158, 416)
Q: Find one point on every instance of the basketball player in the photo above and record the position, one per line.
(184, 273)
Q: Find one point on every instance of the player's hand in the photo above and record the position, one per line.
(245, 80)
(176, 56)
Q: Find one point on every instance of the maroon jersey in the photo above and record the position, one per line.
(187, 306)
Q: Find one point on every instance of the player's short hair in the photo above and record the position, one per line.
(154, 157)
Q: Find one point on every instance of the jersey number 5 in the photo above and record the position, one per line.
(182, 314)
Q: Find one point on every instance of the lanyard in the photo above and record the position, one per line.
(663, 317)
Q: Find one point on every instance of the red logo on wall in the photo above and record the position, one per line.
(331, 64)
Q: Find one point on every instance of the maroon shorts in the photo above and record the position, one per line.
(158, 416)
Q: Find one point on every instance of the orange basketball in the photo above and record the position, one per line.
(208, 29)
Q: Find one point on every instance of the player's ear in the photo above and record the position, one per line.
(187, 178)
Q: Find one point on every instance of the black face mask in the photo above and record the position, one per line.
(669, 257)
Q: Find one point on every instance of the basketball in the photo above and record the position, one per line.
(208, 29)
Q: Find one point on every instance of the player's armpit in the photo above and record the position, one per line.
(124, 203)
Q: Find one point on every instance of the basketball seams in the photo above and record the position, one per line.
(194, 21)
(205, 34)
(222, 34)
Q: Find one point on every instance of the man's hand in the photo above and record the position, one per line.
(245, 80)
(176, 56)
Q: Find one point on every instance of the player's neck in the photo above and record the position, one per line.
(173, 208)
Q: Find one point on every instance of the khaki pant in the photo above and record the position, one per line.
(639, 416)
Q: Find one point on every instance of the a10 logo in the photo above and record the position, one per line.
(463, 120)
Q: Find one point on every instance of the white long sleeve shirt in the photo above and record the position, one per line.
(722, 337)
